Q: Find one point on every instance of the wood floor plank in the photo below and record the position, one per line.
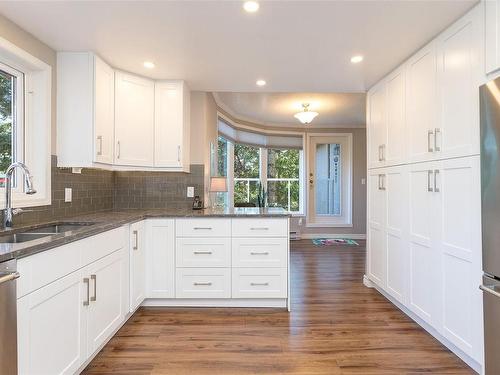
(337, 326)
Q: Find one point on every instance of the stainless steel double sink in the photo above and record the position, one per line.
(40, 232)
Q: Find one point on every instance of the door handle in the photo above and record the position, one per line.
(429, 143)
(87, 281)
(436, 173)
(94, 278)
(178, 153)
(99, 138)
(119, 150)
(436, 132)
(136, 240)
(429, 176)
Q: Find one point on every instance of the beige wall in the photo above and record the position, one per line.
(35, 47)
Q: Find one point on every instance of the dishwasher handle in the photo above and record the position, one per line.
(9, 277)
(489, 289)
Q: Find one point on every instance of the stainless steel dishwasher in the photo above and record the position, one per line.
(8, 318)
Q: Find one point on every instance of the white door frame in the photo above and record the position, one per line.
(346, 219)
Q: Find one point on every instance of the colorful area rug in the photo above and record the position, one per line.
(334, 241)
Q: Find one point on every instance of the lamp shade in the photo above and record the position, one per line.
(218, 184)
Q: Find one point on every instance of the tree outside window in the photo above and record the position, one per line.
(283, 184)
(246, 174)
(7, 116)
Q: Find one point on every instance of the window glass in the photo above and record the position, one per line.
(328, 179)
(246, 175)
(222, 156)
(8, 121)
(283, 175)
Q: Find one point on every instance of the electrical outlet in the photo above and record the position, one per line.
(363, 181)
(190, 192)
(68, 194)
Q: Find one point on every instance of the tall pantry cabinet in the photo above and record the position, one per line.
(423, 237)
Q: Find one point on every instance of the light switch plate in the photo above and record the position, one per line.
(68, 194)
(190, 192)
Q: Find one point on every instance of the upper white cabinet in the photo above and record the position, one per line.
(395, 151)
(116, 120)
(134, 120)
(491, 35)
(85, 110)
(377, 129)
(171, 125)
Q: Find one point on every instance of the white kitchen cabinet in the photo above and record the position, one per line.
(203, 282)
(376, 226)
(377, 125)
(160, 258)
(395, 150)
(459, 70)
(85, 110)
(52, 328)
(491, 35)
(137, 264)
(172, 125)
(422, 104)
(134, 120)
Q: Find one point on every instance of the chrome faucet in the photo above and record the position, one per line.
(28, 182)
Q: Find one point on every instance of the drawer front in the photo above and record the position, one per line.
(208, 227)
(203, 283)
(260, 227)
(203, 252)
(259, 252)
(259, 283)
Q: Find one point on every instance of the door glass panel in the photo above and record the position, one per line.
(328, 179)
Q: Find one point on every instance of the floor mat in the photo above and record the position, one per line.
(334, 241)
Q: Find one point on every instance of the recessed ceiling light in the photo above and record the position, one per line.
(260, 82)
(149, 64)
(251, 6)
(356, 59)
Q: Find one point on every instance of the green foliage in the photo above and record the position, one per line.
(246, 161)
(6, 93)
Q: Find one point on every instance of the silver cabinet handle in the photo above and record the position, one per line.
(178, 153)
(136, 240)
(429, 176)
(99, 138)
(202, 252)
(200, 284)
(94, 278)
(436, 174)
(118, 153)
(257, 284)
(489, 289)
(382, 178)
(260, 228)
(380, 182)
(9, 277)
(202, 228)
(429, 143)
(87, 301)
(383, 152)
(436, 132)
(379, 153)
(259, 253)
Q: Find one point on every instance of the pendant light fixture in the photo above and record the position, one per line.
(306, 116)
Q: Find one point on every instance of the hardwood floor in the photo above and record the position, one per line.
(336, 326)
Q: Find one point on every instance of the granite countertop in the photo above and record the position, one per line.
(106, 220)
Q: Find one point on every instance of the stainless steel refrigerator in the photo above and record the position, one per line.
(490, 198)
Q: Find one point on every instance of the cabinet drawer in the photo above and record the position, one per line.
(203, 252)
(203, 282)
(259, 252)
(208, 227)
(259, 283)
(261, 227)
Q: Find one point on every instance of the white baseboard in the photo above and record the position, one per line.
(476, 366)
(310, 236)
(367, 282)
(217, 302)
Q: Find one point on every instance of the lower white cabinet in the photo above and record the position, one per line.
(137, 264)
(259, 283)
(203, 282)
(203, 252)
(61, 324)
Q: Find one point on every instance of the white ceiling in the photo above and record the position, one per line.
(296, 46)
(277, 109)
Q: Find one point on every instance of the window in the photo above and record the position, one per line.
(283, 179)
(246, 174)
(11, 118)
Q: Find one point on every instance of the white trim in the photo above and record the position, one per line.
(216, 302)
(354, 236)
(367, 282)
(476, 366)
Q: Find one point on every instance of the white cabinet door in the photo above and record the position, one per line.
(377, 125)
(460, 244)
(108, 291)
(169, 124)
(396, 228)
(425, 257)
(376, 222)
(51, 328)
(104, 111)
(492, 35)
(395, 151)
(160, 258)
(137, 264)
(421, 104)
(134, 120)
